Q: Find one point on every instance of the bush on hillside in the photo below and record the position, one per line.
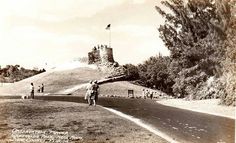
(13, 73)
(187, 80)
(211, 89)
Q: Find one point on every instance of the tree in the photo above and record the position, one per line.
(12, 73)
(154, 73)
(131, 72)
(229, 64)
(194, 32)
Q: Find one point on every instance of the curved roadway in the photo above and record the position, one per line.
(182, 125)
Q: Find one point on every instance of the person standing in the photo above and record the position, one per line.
(32, 90)
(95, 90)
(89, 93)
(151, 94)
(147, 93)
(42, 88)
(39, 88)
(144, 94)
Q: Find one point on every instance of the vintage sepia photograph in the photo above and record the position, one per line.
(117, 71)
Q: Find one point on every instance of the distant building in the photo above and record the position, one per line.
(101, 54)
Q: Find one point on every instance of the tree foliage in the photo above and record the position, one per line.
(229, 64)
(131, 72)
(195, 32)
(12, 73)
(154, 73)
(201, 37)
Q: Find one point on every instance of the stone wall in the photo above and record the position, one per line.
(106, 55)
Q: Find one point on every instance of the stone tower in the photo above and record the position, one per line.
(101, 54)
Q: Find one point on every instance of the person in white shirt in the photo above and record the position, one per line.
(144, 94)
(89, 93)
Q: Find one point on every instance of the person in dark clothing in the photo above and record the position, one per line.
(39, 89)
(42, 88)
(32, 90)
(151, 95)
(95, 89)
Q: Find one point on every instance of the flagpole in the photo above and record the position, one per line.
(110, 38)
(109, 28)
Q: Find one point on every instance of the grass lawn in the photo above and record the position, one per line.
(83, 123)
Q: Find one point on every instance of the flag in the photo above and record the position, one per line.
(108, 27)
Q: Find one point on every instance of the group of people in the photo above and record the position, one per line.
(40, 89)
(147, 94)
(92, 93)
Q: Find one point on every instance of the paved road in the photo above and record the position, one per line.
(182, 125)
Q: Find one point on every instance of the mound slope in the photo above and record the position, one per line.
(120, 89)
(72, 78)
(54, 80)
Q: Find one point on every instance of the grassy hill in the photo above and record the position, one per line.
(119, 88)
(54, 80)
(62, 80)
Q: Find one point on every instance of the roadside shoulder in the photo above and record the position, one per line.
(208, 106)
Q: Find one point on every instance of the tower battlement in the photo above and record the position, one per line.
(101, 54)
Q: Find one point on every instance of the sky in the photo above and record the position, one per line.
(36, 32)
